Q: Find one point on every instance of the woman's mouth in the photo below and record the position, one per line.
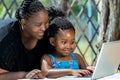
(40, 34)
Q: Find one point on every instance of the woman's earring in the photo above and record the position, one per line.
(22, 23)
(22, 27)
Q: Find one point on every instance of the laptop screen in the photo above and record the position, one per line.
(108, 60)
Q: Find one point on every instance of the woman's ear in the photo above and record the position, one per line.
(52, 41)
(23, 22)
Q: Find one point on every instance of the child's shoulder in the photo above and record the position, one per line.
(46, 56)
(77, 55)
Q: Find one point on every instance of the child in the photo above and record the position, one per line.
(63, 61)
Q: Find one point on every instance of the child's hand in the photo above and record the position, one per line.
(91, 68)
(81, 72)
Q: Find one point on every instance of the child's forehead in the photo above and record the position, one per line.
(67, 32)
(63, 31)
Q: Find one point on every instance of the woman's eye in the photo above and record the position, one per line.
(47, 22)
(39, 25)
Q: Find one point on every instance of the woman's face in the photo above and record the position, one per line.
(36, 25)
(65, 42)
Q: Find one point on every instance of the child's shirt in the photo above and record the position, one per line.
(72, 64)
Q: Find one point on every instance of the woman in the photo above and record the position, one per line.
(20, 48)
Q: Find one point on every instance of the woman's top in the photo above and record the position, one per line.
(72, 64)
(13, 55)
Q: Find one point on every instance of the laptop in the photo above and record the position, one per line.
(107, 62)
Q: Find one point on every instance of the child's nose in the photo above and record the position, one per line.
(68, 46)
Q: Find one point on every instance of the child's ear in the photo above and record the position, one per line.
(52, 41)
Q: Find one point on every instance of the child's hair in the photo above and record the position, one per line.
(57, 24)
(28, 8)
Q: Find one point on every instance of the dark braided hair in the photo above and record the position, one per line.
(28, 8)
(57, 24)
(54, 12)
(58, 21)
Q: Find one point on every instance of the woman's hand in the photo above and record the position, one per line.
(35, 74)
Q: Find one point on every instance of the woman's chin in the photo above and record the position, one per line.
(40, 37)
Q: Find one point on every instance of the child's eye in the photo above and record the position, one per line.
(73, 42)
(63, 42)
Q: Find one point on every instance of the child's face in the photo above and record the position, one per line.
(65, 42)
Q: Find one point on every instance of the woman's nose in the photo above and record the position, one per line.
(44, 27)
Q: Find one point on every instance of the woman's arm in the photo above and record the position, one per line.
(3, 71)
(5, 75)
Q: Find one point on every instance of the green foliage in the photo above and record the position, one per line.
(46, 2)
(9, 7)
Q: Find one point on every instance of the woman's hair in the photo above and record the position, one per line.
(54, 12)
(28, 8)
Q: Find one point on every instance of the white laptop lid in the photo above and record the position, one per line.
(108, 60)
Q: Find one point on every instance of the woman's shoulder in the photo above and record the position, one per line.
(6, 22)
(9, 41)
(5, 31)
